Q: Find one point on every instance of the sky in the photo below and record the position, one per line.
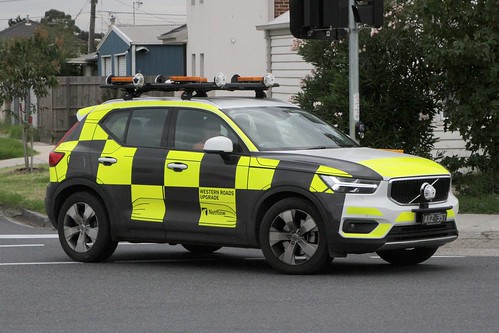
(146, 11)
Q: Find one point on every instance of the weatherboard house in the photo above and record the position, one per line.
(127, 50)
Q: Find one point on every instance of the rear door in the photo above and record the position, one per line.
(131, 169)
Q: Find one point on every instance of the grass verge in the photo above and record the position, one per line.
(21, 189)
(486, 204)
(10, 148)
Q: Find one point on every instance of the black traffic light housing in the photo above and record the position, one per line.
(318, 19)
(370, 13)
(328, 19)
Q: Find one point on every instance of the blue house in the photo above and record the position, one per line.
(127, 50)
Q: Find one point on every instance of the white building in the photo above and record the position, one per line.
(283, 59)
(223, 37)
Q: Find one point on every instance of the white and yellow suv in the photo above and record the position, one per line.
(244, 172)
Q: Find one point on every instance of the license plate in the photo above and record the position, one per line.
(434, 218)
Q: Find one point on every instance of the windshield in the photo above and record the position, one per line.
(287, 128)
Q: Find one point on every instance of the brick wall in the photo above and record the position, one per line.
(280, 7)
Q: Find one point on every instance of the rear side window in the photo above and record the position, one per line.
(116, 123)
(138, 128)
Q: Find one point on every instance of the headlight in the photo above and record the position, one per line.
(350, 185)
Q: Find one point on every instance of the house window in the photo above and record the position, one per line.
(201, 64)
(121, 65)
(193, 64)
(107, 68)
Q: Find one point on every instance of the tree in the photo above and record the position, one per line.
(461, 39)
(28, 64)
(61, 26)
(397, 103)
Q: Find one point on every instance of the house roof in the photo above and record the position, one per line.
(280, 22)
(140, 34)
(84, 59)
(22, 29)
(175, 36)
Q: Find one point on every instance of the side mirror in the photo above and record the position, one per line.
(218, 144)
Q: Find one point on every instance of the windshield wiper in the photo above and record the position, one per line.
(319, 147)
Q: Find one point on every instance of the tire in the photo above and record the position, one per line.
(293, 237)
(83, 228)
(201, 249)
(407, 257)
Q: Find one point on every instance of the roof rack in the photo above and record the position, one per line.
(192, 86)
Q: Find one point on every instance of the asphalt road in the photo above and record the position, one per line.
(162, 288)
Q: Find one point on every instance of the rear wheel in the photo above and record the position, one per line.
(293, 237)
(201, 249)
(406, 257)
(84, 230)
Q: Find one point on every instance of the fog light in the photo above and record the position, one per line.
(359, 226)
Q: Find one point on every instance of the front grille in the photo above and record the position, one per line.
(407, 191)
(421, 232)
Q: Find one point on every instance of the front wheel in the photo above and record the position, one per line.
(406, 257)
(293, 237)
(84, 230)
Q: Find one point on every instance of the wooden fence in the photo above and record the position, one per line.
(57, 111)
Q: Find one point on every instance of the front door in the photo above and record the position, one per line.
(200, 187)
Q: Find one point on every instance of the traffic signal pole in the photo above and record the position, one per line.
(327, 20)
(353, 72)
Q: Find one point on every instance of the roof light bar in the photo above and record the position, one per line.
(111, 79)
(268, 79)
(192, 86)
(249, 79)
(191, 79)
(137, 80)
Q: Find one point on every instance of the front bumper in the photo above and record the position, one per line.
(401, 237)
(395, 226)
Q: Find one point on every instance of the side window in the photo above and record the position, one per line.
(138, 128)
(194, 127)
(116, 122)
(146, 128)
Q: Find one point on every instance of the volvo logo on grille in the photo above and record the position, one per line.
(428, 191)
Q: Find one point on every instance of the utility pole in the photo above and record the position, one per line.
(353, 69)
(91, 33)
(138, 3)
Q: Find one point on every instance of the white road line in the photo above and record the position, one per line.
(449, 257)
(376, 257)
(23, 245)
(38, 263)
(162, 260)
(28, 236)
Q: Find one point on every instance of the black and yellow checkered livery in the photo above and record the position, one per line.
(369, 200)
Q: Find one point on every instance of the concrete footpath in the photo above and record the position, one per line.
(478, 233)
(42, 157)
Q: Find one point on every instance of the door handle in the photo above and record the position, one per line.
(107, 161)
(177, 167)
